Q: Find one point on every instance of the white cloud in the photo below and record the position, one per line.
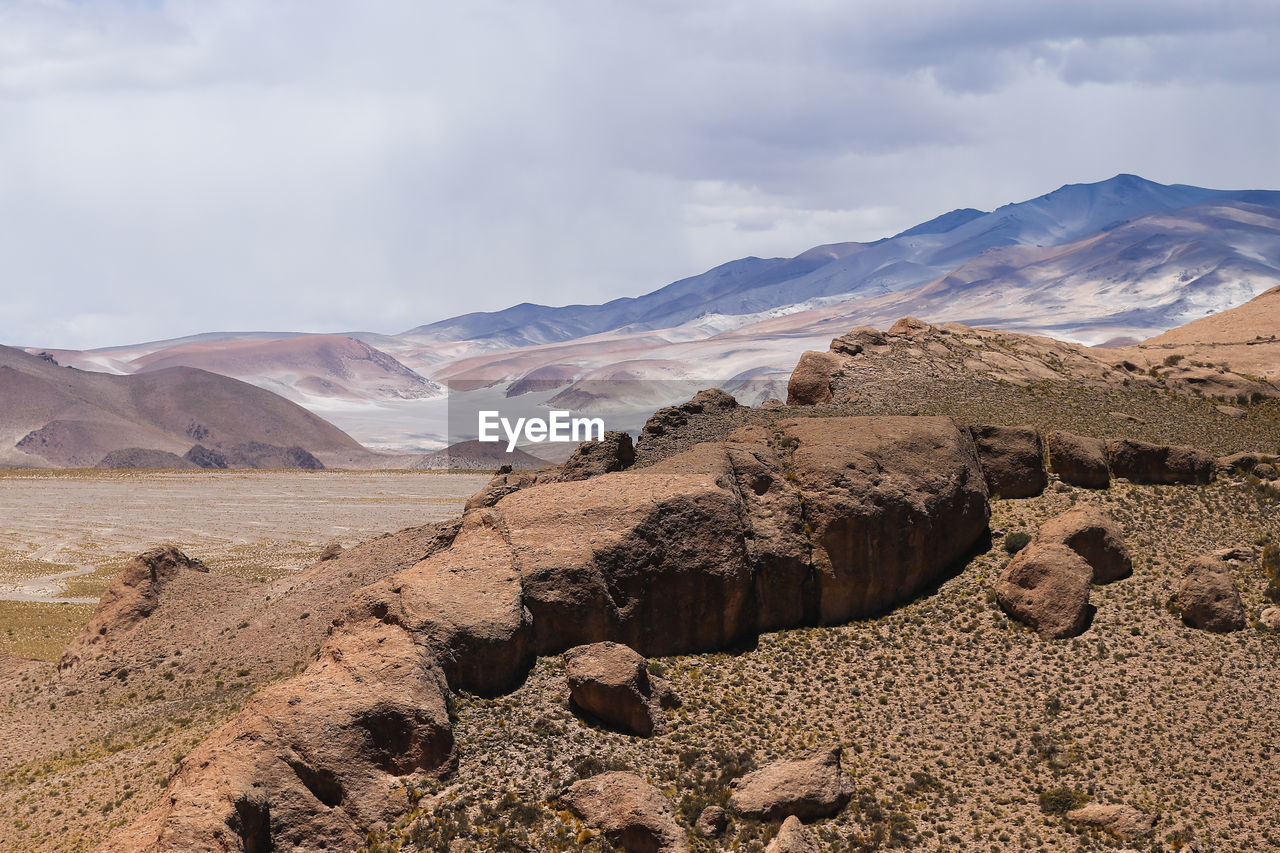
(174, 167)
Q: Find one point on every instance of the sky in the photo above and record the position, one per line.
(168, 168)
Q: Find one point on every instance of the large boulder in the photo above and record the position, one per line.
(808, 788)
(1141, 462)
(1123, 821)
(1094, 535)
(810, 382)
(631, 812)
(892, 503)
(1012, 459)
(611, 682)
(1207, 597)
(792, 837)
(1046, 586)
(131, 597)
(1079, 460)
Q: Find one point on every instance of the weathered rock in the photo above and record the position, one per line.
(130, 598)
(1012, 460)
(667, 419)
(1122, 820)
(614, 452)
(310, 762)
(810, 382)
(1046, 586)
(503, 484)
(808, 788)
(858, 339)
(611, 682)
(1243, 461)
(1094, 535)
(792, 837)
(1270, 618)
(892, 503)
(332, 551)
(1232, 411)
(1265, 471)
(205, 457)
(1207, 597)
(712, 822)
(911, 327)
(1079, 460)
(631, 812)
(1141, 462)
(143, 457)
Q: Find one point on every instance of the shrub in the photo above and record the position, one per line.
(1016, 540)
(1171, 360)
(1062, 800)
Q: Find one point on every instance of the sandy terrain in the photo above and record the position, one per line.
(65, 534)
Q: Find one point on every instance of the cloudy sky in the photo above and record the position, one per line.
(174, 167)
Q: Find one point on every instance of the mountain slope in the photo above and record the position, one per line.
(61, 416)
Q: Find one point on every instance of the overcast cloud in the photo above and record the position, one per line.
(175, 167)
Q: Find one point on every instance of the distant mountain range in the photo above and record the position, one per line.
(1112, 262)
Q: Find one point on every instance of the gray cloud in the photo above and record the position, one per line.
(173, 167)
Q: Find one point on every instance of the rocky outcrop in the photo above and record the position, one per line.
(813, 520)
(131, 597)
(1079, 460)
(614, 452)
(1207, 597)
(712, 822)
(809, 788)
(1141, 462)
(1121, 820)
(792, 837)
(1046, 587)
(1012, 460)
(1095, 536)
(612, 683)
(142, 457)
(205, 457)
(670, 418)
(632, 813)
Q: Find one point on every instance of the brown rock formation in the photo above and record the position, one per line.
(1046, 586)
(1207, 597)
(611, 682)
(1141, 462)
(1012, 460)
(631, 812)
(810, 382)
(808, 788)
(592, 458)
(132, 597)
(1079, 460)
(711, 822)
(1094, 535)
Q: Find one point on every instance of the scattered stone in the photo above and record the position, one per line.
(1207, 597)
(631, 812)
(712, 822)
(792, 837)
(332, 551)
(808, 788)
(1012, 460)
(1079, 460)
(1122, 820)
(1094, 535)
(1141, 462)
(1046, 586)
(612, 683)
(1232, 411)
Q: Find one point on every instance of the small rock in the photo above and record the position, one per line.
(1207, 597)
(1270, 618)
(1125, 416)
(712, 822)
(1265, 471)
(808, 788)
(810, 382)
(332, 551)
(792, 837)
(1232, 411)
(1241, 554)
(1094, 535)
(611, 682)
(631, 812)
(1123, 820)
(1046, 586)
